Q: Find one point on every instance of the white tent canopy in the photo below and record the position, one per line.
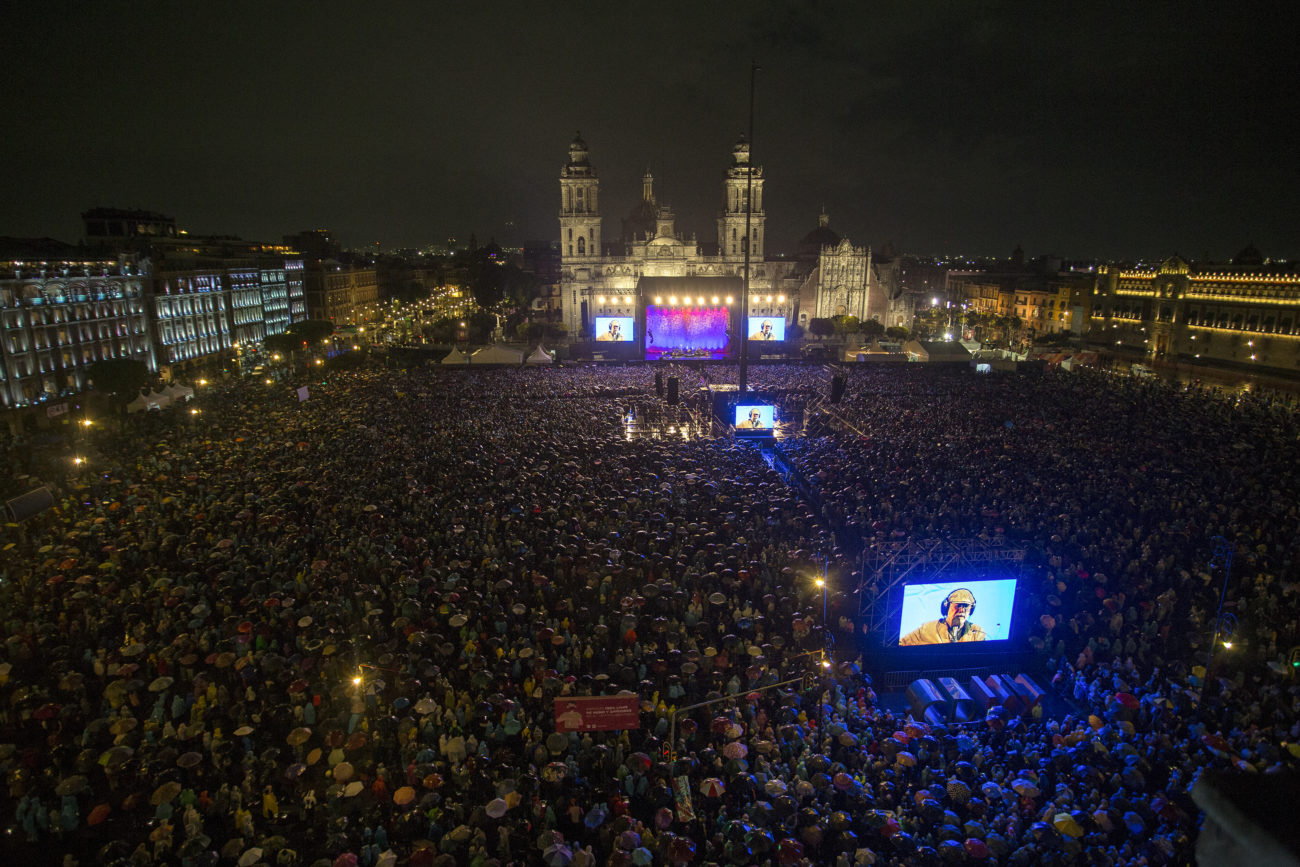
(153, 400)
(176, 391)
(540, 356)
(496, 355)
(455, 357)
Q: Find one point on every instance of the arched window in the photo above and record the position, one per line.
(582, 246)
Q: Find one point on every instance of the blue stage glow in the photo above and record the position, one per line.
(686, 329)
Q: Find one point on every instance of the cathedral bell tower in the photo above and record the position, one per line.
(742, 178)
(580, 239)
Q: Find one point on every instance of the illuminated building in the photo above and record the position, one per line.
(57, 317)
(1244, 313)
(339, 293)
(599, 278)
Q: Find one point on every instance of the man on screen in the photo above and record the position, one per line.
(764, 332)
(953, 624)
(615, 332)
(754, 422)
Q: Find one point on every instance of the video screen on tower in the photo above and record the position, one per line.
(957, 612)
(755, 417)
(766, 328)
(615, 329)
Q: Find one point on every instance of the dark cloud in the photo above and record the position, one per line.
(1123, 131)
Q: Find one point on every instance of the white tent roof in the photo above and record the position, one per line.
(540, 356)
(176, 391)
(153, 400)
(496, 355)
(456, 357)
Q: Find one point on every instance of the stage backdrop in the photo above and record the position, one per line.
(688, 328)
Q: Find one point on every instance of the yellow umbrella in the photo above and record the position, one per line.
(299, 736)
(343, 772)
(1066, 824)
(404, 795)
(165, 793)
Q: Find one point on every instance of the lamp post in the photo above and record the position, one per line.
(1223, 553)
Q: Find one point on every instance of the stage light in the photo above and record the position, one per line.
(659, 299)
(672, 299)
(769, 299)
(700, 299)
(729, 299)
(780, 298)
(600, 300)
(715, 299)
(1228, 644)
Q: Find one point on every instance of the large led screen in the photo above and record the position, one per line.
(755, 417)
(956, 612)
(686, 328)
(615, 329)
(766, 328)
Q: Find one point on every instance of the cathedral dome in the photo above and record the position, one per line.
(822, 236)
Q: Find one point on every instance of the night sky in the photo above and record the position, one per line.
(949, 128)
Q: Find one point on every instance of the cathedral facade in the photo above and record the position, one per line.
(601, 278)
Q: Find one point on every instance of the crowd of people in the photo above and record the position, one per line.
(334, 631)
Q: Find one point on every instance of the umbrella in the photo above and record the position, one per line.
(298, 736)
(71, 786)
(557, 855)
(189, 760)
(1025, 787)
(352, 789)
(642, 856)
(906, 759)
(496, 808)
(159, 684)
(404, 795)
(343, 771)
(165, 793)
(735, 750)
(251, 857)
(294, 771)
(98, 814)
(712, 788)
(1067, 825)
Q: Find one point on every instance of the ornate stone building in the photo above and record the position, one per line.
(1244, 313)
(599, 278)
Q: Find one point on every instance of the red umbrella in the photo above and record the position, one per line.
(46, 711)
(789, 851)
(976, 848)
(1127, 699)
(712, 788)
(98, 814)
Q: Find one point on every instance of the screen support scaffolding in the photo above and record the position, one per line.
(889, 565)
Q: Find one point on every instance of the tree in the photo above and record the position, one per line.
(411, 291)
(282, 343)
(530, 332)
(821, 327)
(873, 329)
(481, 325)
(897, 332)
(119, 378)
(312, 330)
(845, 324)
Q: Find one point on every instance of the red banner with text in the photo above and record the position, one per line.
(597, 713)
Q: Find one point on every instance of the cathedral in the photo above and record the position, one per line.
(601, 279)
(652, 263)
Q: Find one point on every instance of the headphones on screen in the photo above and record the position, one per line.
(947, 602)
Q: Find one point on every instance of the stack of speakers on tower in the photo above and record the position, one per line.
(672, 391)
(944, 700)
(837, 388)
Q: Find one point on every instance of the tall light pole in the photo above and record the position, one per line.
(749, 211)
(1223, 552)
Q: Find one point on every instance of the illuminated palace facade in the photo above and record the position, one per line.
(1242, 314)
(600, 278)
